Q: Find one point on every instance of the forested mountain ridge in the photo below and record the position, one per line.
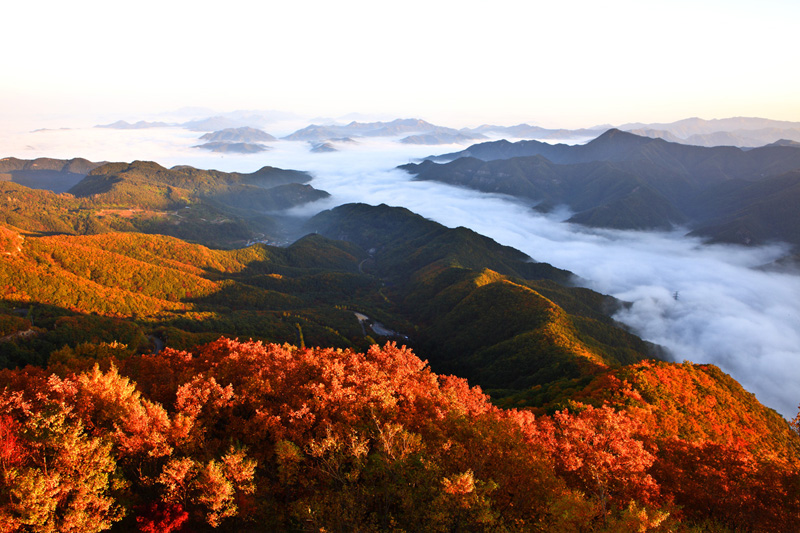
(710, 164)
(416, 277)
(215, 208)
(148, 184)
(209, 433)
(57, 175)
(484, 311)
(625, 181)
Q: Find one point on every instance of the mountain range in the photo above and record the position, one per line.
(56, 175)
(133, 403)
(206, 206)
(736, 131)
(744, 132)
(625, 181)
(233, 119)
(424, 132)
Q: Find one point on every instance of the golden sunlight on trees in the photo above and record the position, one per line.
(248, 436)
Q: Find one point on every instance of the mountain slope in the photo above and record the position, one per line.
(755, 213)
(334, 438)
(149, 185)
(616, 195)
(458, 296)
(621, 180)
(483, 311)
(210, 207)
(57, 175)
(705, 165)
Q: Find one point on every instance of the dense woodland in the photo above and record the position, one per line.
(154, 384)
(247, 436)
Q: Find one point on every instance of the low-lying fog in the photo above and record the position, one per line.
(706, 304)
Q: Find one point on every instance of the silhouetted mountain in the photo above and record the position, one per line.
(618, 180)
(754, 213)
(239, 135)
(785, 142)
(602, 194)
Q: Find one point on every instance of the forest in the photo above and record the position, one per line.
(153, 384)
(246, 436)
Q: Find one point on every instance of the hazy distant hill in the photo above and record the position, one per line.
(526, 131)
(240, 135)
(232, 119)
(698, 126)
(739, 131)
(317, 133)
(441, 138)
(142, 124)
(331, 145)
(323, 148)
(622, 180)
(740, 138)
(233, 147)
(237, 119)
(785, 142)
(57, 175)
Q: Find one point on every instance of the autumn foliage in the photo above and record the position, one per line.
(247, 436)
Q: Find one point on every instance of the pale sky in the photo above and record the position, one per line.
(456, 63)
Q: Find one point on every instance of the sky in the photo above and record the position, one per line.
(457, 63)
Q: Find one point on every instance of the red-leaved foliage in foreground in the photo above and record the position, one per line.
(246, 436)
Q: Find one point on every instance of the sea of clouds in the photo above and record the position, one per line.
(703, 303)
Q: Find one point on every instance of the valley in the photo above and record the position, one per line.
(141, 269)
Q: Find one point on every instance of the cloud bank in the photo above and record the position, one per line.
(704, 303)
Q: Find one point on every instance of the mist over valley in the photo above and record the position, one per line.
(427, 266)
(708, 303)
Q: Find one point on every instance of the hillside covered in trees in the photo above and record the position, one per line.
(254, 437)
(220, 209)
(353, 399)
